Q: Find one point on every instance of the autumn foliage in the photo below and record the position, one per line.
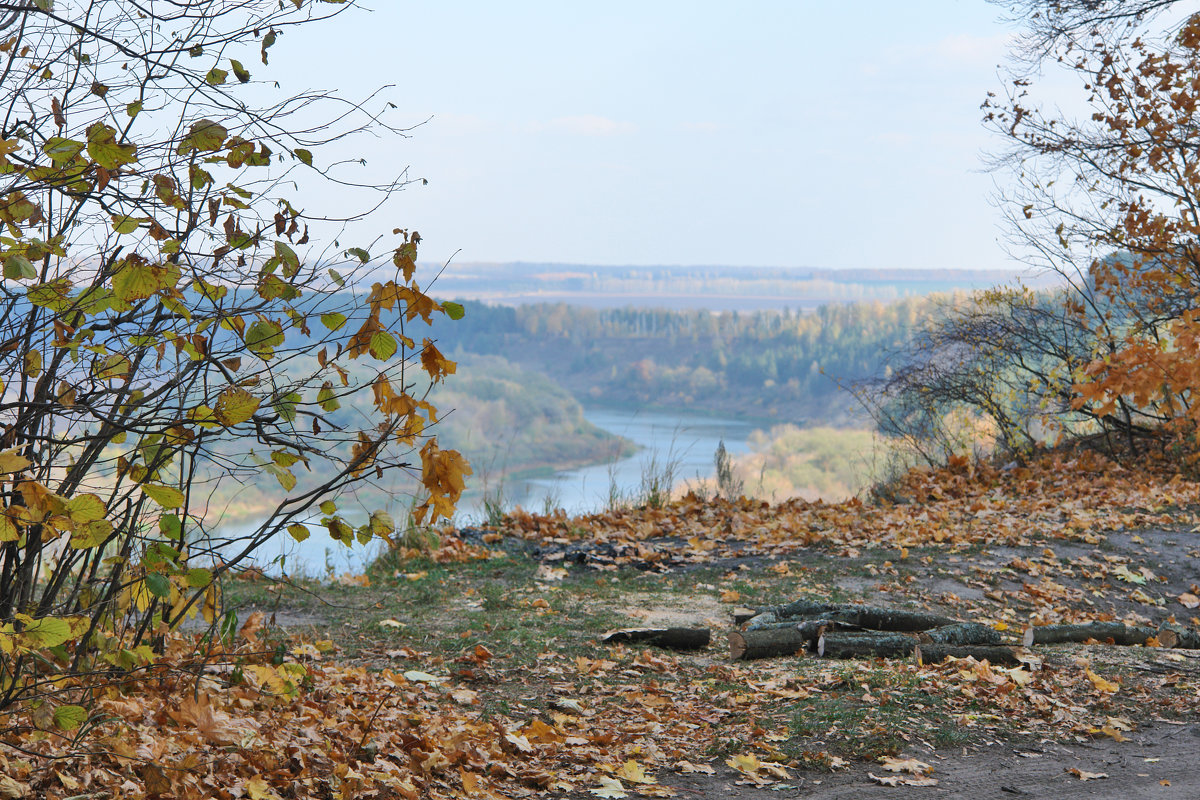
(168, 328)
(1109, 202)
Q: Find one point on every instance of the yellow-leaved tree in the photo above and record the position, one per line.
(167, 326)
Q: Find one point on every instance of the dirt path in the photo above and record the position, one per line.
(1158, 762)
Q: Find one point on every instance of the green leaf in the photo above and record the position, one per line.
(104, 149)
(304, 155)
(333, 321)
(85, 508)
(383, 345)
(198, 577)
(359, 253)
(298, 531)
(216, 76)
(125, 224)
(203, 135)
(46, 632)
(17, 267)
(291, 261)
(285, 477)
(158, 585)
(133, 109)
(267, 42)
(263, 337)
(62, 150)
(111, 368)
(44, 5)
(328, 507)
(453, 310)
(327, 398)
(170, 526)
(337, 277)
(165, 496)
(69, 718)
(239, 72)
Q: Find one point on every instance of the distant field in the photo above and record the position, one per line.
(714, 288)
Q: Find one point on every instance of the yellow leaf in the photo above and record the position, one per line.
(633, 772)
(258, 789)
(1102, 684)
(235, 405)
(165, 496)
(11, 461)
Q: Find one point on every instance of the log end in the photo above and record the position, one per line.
(737, 645)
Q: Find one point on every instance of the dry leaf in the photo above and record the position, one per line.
(609, 787)
(1084, 775)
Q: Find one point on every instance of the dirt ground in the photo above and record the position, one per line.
(1158, 762)
(1138, 575)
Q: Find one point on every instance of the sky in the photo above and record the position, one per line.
(789, 133)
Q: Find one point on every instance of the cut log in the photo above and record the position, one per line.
(888, 619)
(872, 617)
(962, 634)
(745, 645)
(932, 653)
(866, 644)
(670, 638)
(1110, 632)
(1178, 636)
(742, 615)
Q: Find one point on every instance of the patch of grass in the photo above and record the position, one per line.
(869, 713)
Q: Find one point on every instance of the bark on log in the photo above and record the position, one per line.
(875, 618)
(963, 634)
(932, 653)
(670, 638)
(746, 645)
(866, 644)
(1179, 636)
(888, 619)
(1114, 632)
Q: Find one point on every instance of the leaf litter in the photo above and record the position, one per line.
(300, 720)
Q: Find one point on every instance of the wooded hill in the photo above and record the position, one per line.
(765, 365)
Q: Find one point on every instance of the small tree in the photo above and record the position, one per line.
(164, 330)
(1112, 202)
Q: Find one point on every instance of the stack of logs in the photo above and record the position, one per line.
(835, 630)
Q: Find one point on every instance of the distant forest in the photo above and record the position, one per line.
(718, 288)
(767, 366)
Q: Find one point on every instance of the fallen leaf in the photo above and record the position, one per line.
(633, 772)
(905, 765)
(687, 766)
(1189, 600)
(1084, 775)
(900, 780)
(609, 787)
(1102, 684)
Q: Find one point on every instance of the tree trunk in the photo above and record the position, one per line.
(1109, 632)
(670, 638)
(866, 644)
(932, 653)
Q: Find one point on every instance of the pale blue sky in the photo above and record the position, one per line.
(766, 132)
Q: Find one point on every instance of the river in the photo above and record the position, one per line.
(685, 444)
